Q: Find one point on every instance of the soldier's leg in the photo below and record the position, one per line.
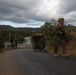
(43, 48)
(12, 44)
(0, 47)
(56, 44)
(34, 43)
(16, 45)
(39, 44)
(64, 47)
(43, 44)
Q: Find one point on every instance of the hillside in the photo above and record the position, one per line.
(7, 27)
(26, 29)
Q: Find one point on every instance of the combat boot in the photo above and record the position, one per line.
(56, 55)
(65, 55)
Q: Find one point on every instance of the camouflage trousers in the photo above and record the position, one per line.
(35, 44)
(1, 45)
(61, 43)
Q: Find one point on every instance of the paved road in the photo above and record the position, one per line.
(27, 62)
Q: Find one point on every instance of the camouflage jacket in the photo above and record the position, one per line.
(2, 36)
(59, 34)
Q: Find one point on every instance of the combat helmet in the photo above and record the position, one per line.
(60, 19)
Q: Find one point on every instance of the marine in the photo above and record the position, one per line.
(60, 37)
(38, 41)
(1, 39)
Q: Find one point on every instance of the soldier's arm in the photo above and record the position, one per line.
(57, 30)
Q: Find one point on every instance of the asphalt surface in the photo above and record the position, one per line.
(27, 62)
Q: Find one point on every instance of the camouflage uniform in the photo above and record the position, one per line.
(12, 42)
(42, 42)
(34, 41)
(60, 37)
(15, 42)
(1, 39)
(38, 42)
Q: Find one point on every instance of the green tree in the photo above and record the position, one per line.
(47, 28)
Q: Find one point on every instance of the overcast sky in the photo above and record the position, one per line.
(34, 13)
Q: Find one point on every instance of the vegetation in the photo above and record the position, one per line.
(20, 33)
(47, 28)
